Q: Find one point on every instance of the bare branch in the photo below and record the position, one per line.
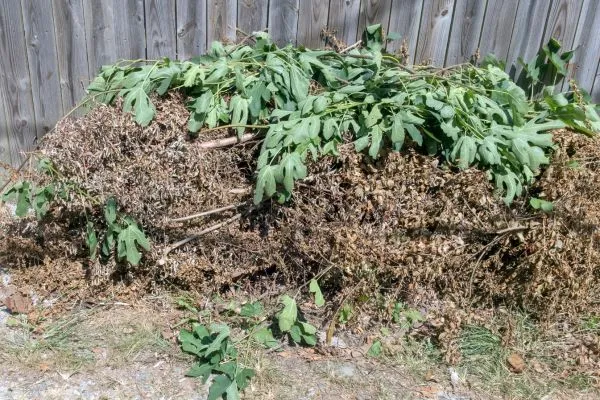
(204, 213)
(203, 232)
(229, 141)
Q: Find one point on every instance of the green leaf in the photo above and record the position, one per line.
(307, 328)
(265, 183)
(222, 332)
(295, 334)
(219, 387)
(375, 350)
(265, 337)
(200, 371)
(110, 211)
(361, 143)
(313, 287)
(288, 316)
(540, 204)
(250, 310)
(293, 168)
(376, 138)
(91, 240)
(243, 378)
(414, 134)
(143, 109)
(397, 132)
(128, 241)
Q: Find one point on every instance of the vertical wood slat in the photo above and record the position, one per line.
(20, 125)
(160, 29)
(114, 31)
(586, 57)
(374, 12)
(434, 31)
(528, 33)
(71, 50)
(5, 148)
(130, 33)
(100, 34)
(343, 19)
(497, 28)
(222, 20)
(252, 15)
(283, 21)
(405, 18)
(312, 19)
(562, 24)
(43, 64)
(191, 28)
(466, 30)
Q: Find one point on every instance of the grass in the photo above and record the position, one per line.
(83, 339)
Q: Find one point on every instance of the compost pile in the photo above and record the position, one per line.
(377, 178)
(397, 225)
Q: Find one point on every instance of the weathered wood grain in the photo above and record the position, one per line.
(497, 28)
(587, 56)
(100, 34)
(222, 20)
(43, 64)
(5, 149)
(343, 19)
(374, 12)
(252, 15)
(70, 48)
(130, 30)
(434, 31)
(191, 28)
(405, 18)
(528, 33)
(283, 21)
(160, 29)
(312, 19)
(466, 30)
(15, 82)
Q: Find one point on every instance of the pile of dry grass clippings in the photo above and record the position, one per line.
(399, 225)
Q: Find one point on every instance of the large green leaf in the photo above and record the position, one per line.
(288, 316)
(128, 241)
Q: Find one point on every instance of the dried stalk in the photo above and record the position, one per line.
(204, 213)
(229, 141)
(203, 232)
(355, 45)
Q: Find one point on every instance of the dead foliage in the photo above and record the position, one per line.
(402, 225)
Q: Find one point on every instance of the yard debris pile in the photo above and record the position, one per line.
(395, 226)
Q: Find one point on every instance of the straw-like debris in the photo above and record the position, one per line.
(395, 226)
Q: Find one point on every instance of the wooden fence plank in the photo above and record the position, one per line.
(283, 21)
(312, 19)
(497, 28)
(405, 18)
(596, 88)
(466, 30)
(252, 15)
(5, 153)
(191, 28)
(586, 58)
(528, 33)
(43, 64)
(160, 29)
(374, 12)
(343, 19)
(130, 30)
(434, 31)
(562, 24)
(100, 34)
(15, 83)
(71, 50)
(222, 20)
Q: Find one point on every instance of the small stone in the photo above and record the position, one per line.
(516, 363)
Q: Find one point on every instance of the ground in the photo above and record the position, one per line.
(118, 350)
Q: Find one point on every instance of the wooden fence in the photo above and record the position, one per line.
(50, 49)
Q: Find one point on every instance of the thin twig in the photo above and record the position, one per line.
(204, 213)
(355, 45)
(511, 229)
(229, 141)
(203, 232)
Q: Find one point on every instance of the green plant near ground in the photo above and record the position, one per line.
(216, 354)
(120, 236)
(303, 103)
